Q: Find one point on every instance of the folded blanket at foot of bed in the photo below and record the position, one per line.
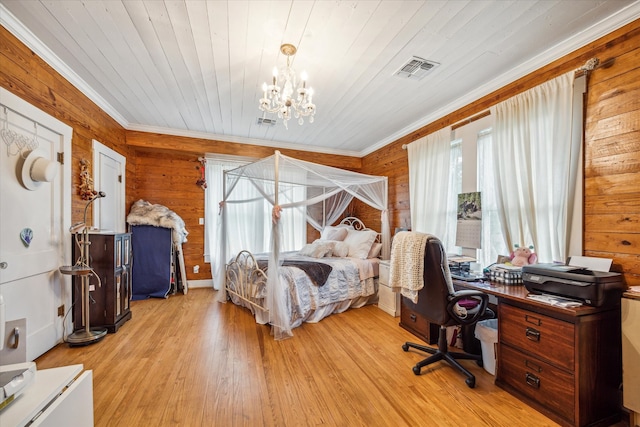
(317, 271)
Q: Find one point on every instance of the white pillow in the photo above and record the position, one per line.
(375, 250)
(324, 248)
(360, 242)
(307, 250)
(334, 233)
(340, 250)
(317, 249)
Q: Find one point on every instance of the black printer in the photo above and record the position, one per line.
(595, 288)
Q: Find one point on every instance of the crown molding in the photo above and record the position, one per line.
(240, 140)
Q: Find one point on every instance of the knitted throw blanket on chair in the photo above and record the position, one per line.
(406, 267)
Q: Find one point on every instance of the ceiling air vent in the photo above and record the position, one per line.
(416, 68)
(266, 122)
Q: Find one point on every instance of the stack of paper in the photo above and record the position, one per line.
(555, 300)
(460, 258)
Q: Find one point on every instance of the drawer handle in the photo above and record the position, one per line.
(533, 320)
(413, 317)
(532, 380)
(532, 334)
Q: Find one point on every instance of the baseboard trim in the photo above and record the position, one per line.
(200, 283)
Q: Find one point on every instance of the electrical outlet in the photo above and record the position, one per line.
(201, 221)
(61, 310)
(196, 268)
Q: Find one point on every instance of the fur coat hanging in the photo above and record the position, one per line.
(145, 213)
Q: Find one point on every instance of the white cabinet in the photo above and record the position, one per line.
(57, 397)
(631, 354)
(388, 300)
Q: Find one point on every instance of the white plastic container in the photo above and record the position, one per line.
(487, 333)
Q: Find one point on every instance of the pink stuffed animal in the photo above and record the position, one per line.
(523, 256)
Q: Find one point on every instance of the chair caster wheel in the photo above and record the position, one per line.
(480, 363)
(405, 347)
(471, 382)
(416, 370)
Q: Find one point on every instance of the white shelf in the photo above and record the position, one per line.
(388, 300)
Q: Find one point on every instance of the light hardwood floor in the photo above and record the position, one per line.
(192, 361)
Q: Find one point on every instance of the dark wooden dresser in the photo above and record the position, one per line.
(413, 319)
(566, 363)
(110, 258)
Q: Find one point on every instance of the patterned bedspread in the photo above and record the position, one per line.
(343, 285)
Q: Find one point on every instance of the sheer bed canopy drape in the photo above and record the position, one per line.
(321, 193)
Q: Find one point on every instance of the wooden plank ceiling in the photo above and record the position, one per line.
(196, 68)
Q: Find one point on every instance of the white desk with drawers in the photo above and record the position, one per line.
(388, 300)
(58, 397)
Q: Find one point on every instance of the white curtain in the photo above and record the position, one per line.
(212, 196)
(455, 187)
(430, 183)
(328, 210)
(535, 159)
(255, 239)
(493, 242)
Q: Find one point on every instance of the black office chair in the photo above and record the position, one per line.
(442, 305)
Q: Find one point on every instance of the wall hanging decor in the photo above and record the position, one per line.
(26, 235)
(87, 192)
(202, 182)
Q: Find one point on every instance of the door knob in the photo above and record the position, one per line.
(4, 265)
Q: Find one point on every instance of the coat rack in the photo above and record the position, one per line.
(82, 268)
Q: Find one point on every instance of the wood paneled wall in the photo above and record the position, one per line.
(612, 157)
(167, 173)
(26, 75)
(612, 148)
(170, 180)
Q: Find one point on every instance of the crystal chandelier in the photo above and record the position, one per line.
(284, 97)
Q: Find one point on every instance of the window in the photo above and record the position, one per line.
(492, 241)
(523, 158)
(214, 169)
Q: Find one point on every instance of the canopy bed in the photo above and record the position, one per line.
(321, 279)
(322, 194)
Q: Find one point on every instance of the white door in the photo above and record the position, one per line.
(34, 221)
(109, 177)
